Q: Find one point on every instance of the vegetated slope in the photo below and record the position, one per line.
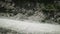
(29, 27)
(38, 10)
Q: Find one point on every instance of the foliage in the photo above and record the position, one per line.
(50, 9)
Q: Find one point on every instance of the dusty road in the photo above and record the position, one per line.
(29, 27)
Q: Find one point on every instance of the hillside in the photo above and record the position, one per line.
(36, 10)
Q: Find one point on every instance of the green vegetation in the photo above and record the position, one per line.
(38, 10)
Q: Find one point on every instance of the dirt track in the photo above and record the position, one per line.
(29, 27)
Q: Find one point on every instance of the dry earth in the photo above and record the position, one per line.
(29, 27)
